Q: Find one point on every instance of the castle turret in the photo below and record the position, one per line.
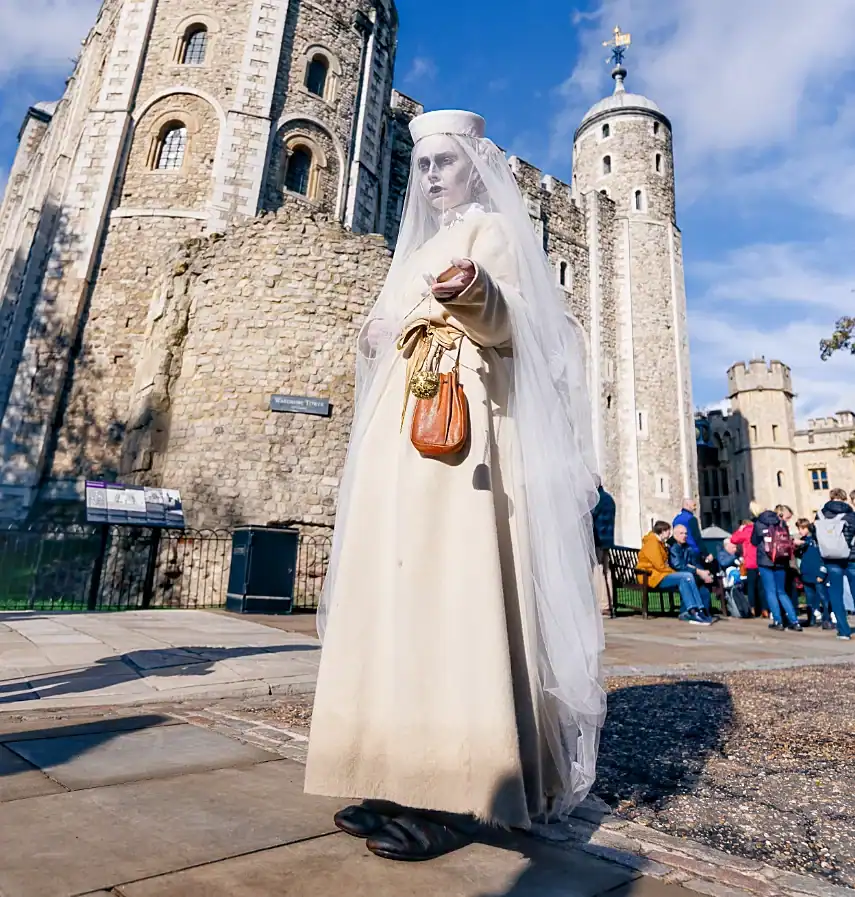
(623, 149)
(761, 399)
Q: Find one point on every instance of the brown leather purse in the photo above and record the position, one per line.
(441, 425)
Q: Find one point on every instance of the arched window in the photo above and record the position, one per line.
(562, 274)
(316, 75)
(780, 477)
(658, 162)
(298, 170)
(639, 201)
(656, 127)
(195, 45)
(606, 130)
(607, 164)
(172, 146)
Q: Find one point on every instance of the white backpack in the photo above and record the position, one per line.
(832, 539)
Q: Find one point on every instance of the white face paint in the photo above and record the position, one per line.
(445, 172)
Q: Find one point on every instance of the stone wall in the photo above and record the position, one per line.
(90, 432)
(274, 307)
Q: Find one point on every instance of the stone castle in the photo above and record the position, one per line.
(202, 221)
(755, 452)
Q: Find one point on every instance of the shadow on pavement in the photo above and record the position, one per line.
(177, 661)
(655, 743)
(75, 739)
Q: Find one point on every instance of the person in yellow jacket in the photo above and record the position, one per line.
(653, 559)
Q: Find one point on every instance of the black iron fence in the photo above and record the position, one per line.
(112, 568)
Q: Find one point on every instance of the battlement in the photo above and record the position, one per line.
(759, 374)
(404, 105)
(842, 420)
(533, 180)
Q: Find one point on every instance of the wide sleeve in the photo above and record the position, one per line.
(480, 310)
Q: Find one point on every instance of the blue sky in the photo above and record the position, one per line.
(764, 126)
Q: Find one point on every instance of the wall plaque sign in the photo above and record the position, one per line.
(133, 505)
(300, 405)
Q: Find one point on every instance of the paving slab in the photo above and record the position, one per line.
(77, 723)
(75, 660)
(85, 841)
(19, 780)
(110, 757)
(338, 864)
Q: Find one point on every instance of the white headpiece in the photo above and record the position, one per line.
(447, 121)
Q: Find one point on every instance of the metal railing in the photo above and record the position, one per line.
(82, 567)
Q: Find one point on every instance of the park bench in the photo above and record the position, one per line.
(630, 594)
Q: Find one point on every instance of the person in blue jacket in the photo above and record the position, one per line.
(814, 576)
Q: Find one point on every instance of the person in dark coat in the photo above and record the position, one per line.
(687, 518)
(773, 573)
(814, 575)
(603, 519)
(683, 558)
(837, 569)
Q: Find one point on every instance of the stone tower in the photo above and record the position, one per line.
(623, 149)
(180, 118)
(763, 424)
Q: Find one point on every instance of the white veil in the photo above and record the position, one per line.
(555, 463)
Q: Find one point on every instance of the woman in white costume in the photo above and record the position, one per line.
(460, 668)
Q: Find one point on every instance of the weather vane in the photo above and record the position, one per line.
(619, 44)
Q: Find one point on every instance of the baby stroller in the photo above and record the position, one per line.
(734, 593)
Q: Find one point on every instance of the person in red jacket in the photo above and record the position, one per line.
(753, 587)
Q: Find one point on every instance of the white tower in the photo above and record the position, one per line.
(623, 148)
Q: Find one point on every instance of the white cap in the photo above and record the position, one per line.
(447, 121)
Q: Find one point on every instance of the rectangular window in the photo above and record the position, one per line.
(725, 486)
(774, 432)
(715, 491)
(706, 478)
(663, 485)
(642, 424)
(819, 479)
(736, 483)
(754, 433)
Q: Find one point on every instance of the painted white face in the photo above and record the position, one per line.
(445, 172)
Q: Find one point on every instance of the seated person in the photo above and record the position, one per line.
(685, 559)
(653, 559)
(727, 555)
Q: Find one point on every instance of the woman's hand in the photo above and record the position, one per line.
(451, 289)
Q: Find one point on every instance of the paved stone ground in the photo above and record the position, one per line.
(68, 660)
(63, 660)
(147, 805)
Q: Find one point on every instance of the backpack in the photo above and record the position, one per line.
(737, 603)
(831, 536)
(778, 543)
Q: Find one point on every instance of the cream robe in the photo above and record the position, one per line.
(427, 692)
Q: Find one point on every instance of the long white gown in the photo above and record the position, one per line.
(427, 693)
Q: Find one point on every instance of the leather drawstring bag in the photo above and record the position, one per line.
(441, 424)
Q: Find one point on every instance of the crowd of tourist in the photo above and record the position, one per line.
(762, 568)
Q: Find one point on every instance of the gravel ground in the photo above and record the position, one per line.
(759, 764)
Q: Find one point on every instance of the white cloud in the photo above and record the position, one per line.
(422, 70)
(41, 36)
